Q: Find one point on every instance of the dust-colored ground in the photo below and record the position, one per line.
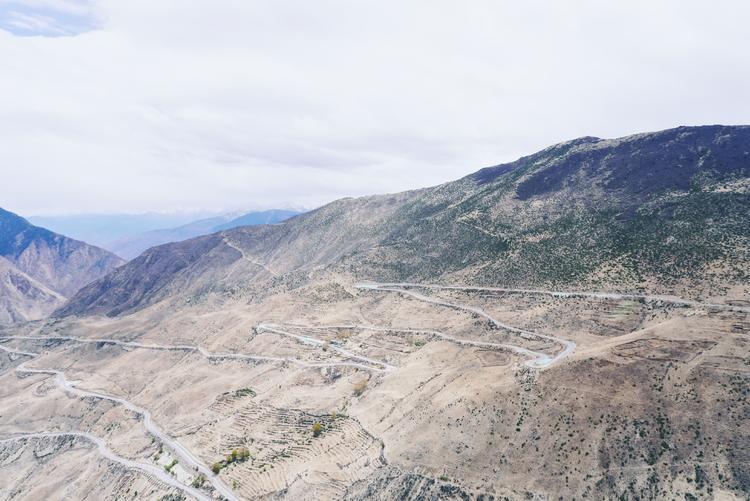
(374, 394)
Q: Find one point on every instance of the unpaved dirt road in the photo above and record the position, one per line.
(538, 360)
(185, 456)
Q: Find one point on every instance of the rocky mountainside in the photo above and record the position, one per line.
(23, 298)
(657, 212)
(39, 268)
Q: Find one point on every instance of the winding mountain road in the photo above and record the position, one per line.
(201, 351)
(441, 335)
(234, 246)
(538, 360)
(276, 329)
(184, 455)
(149, 469)
(568, 294)
(18, 352)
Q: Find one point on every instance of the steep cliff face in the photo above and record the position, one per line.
(40, 268)
(652, 211)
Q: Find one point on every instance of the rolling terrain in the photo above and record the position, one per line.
(572, 325)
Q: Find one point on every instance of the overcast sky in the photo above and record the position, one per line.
(162, 105)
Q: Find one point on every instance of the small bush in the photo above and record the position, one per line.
(216, 467)
(199, 480)
(243, 392)
(317, 428)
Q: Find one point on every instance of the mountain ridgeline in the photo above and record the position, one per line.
(132, 246)
(659, 212)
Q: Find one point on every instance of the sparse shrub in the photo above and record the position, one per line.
(199, 480)
(243, 392)
(317, 428)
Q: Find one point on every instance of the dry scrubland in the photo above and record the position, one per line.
(248, 364)
(652, 403)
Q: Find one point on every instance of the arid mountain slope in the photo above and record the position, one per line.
(40, 268)
(664, 211)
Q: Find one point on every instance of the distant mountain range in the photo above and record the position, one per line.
(657, 211)
(101, 229)
(132, 246)
(127, 235)
(39, 269)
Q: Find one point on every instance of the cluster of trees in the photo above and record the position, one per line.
(236, 456)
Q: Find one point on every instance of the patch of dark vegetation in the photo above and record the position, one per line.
(491, 174)
(653, 163)
(392, 483)
(244, 392)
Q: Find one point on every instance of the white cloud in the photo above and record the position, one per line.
(238, 103)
